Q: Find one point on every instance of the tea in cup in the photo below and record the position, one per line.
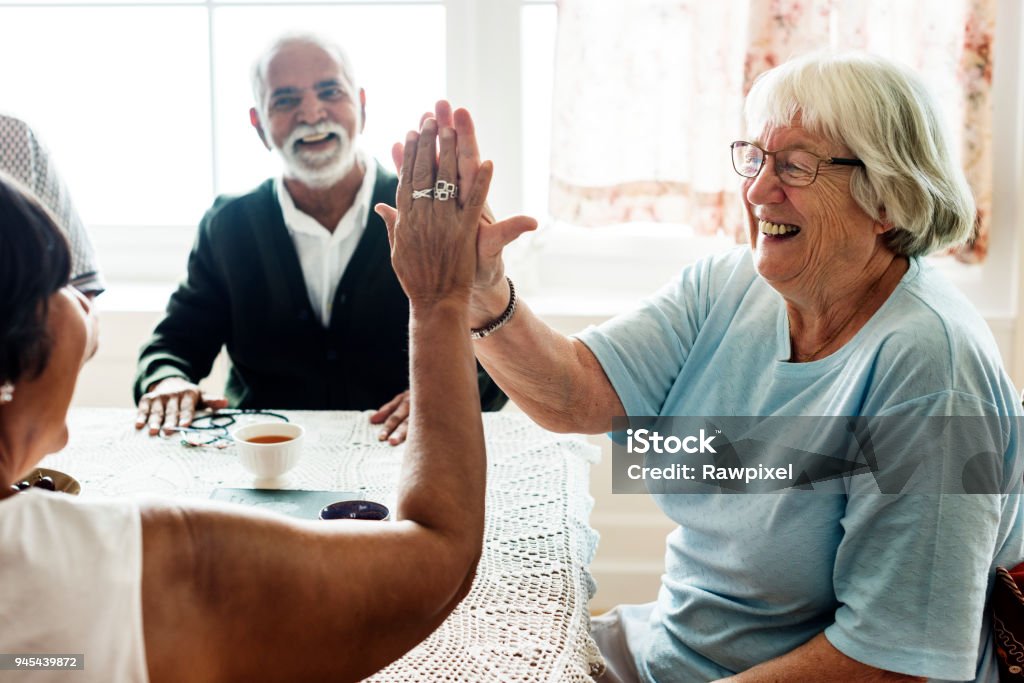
(268, 449)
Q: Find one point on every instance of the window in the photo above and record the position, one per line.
(618, 264)
(146, 111)
(124, 106)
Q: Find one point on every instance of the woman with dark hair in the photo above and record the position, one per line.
(182, 592)
(33, 265)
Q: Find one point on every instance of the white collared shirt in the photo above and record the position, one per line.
(324, 255)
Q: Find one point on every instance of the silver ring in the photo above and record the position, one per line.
(420, 194)
(443, 190)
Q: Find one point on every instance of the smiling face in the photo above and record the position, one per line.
(311, 113)
(803, 236)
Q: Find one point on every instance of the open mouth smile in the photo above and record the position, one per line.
(315, 140)
(782, 230)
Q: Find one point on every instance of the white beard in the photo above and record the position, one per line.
(318, 169)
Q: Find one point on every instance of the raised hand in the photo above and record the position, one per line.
(433, 235)
(490, 291)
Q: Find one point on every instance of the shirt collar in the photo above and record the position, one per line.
(355, 218)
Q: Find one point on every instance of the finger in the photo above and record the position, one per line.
(143, 414)
(390, 217)
(443, 114)
(426, 116)
(400, 433)
(397, 152)
(212, 401)
(387, 409)
(469, 152)
(171, 414)
(187, 410)
(478, 192)
(403, 196)
(475, 204)
(423, 167)
(156, 415)
(493, 238)
(447, 170)
(396, 418)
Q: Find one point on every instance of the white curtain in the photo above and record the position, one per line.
(648, 95)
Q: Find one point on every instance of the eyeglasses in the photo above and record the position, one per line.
(212, 429)
(795, 167)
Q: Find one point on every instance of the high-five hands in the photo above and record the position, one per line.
(445, 247)
(490, 291)
(432, 231)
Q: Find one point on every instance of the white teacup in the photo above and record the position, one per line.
(269, 449)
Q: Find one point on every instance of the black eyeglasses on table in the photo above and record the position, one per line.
(212, 429)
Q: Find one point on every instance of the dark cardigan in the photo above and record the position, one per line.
(245, 291)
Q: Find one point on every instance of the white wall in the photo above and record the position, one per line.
(106, 380)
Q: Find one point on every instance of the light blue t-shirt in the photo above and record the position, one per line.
(899, 582)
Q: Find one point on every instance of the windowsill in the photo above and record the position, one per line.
(560, 301)
(576, 305)
(586, 272)
(573, 272)
(135, 297)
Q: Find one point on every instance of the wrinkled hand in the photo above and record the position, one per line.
(173, 402)
(395, 416)
(490, 293)
(433, 242)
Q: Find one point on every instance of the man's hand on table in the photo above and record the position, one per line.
(173, 402)
(395, 416)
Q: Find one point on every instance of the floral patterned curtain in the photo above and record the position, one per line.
(649, 93)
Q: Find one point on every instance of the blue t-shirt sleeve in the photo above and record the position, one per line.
(912, 570)
(643, 351)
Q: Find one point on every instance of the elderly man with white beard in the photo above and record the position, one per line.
(293, 278)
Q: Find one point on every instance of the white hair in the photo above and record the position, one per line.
(885, 115)
(258, 75)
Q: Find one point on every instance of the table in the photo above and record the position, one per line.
(526, 617)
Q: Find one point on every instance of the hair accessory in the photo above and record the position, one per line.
(500, 321)
(6, 392)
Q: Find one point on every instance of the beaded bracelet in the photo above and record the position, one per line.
(500, 321)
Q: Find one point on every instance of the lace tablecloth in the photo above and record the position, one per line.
(526, 618)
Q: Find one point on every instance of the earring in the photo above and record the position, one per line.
(6, 392)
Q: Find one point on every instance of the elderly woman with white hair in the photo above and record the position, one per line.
(830, 311)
